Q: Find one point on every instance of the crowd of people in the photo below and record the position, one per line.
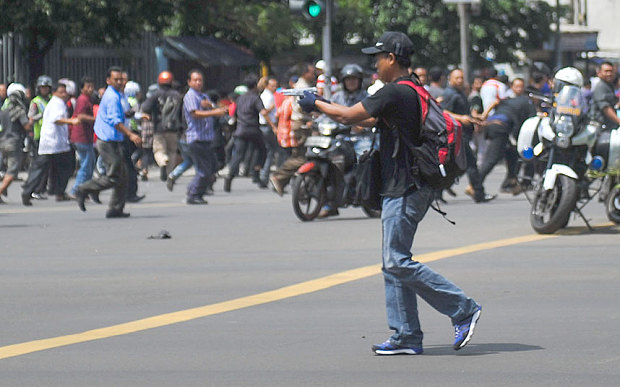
(115, 133)
(110, 137)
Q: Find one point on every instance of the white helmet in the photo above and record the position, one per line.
(69, 85)
(14, 88)
(132, 89)
(320, 65)
(569, 75)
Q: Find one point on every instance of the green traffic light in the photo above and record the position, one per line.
(314, 10)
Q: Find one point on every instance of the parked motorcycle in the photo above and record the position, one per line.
(571, 159)
(328, 175)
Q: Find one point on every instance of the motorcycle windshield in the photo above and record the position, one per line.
(569, 101)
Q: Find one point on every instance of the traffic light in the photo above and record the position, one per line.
(311, 9)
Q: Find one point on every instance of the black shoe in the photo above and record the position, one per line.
(135, 199)
(94, 196)
(80, 198)
(170, 183)
(26, 199)
(227, 183)
(262, 183)
(63, 197)
(163, 175)
(196, 201)
(116, 214)
(486, 198)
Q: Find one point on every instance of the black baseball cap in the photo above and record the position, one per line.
(393, 42)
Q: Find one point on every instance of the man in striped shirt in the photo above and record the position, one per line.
(199, 111)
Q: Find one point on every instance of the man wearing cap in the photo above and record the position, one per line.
(405, 199)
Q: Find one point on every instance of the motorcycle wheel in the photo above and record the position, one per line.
(371, 213)
(612, 205)
(308, 196)
(551, 209)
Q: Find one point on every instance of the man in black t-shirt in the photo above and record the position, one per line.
(248, 133)
(394, 109)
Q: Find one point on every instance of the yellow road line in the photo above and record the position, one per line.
(245, 302)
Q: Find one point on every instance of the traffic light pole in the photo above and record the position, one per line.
(327, 47)
(464, 35)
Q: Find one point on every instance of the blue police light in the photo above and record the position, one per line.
(597, 163)
(527, 153)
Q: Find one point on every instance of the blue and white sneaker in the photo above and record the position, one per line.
(389, 348)
(464, 330)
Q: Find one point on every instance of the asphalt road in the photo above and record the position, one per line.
(262, 299)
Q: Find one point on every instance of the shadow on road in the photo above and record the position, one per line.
(605, 229)
(479, 349)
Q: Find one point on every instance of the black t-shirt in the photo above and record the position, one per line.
(249, 106)
(396, 107)
(516, 110)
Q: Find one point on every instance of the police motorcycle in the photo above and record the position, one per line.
(327, 176)
(567, 154)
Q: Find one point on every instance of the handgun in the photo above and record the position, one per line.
(298, 92)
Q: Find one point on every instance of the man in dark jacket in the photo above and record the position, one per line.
(164, 108)
(248, 133)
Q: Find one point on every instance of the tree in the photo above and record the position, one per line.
(498, 31)
(263, 26)
(42, 22)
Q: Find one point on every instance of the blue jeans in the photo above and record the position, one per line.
(86, 154)
(187, 161)
(405, 278)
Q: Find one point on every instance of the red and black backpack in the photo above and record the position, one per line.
(439, 159)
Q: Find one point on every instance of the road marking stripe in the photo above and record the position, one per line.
(245, 302)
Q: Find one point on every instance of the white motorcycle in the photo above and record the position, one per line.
(570, 158)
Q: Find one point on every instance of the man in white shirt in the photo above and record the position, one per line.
(492, 91)
(54, 149)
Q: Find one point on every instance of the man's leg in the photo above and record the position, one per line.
(116, 165)
(494, 153)
(86, 154)
(36, 173)
(204, 161)
(405, 277)
(64, 165)
(172, 140)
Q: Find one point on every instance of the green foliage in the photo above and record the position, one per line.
(269, 29)
(85, 21)
(500, 29)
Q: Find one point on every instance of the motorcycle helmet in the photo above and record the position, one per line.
(165, 78)
(44, 80)
(351, 70)
(567, 75)
(69, 85)
(15, 88)
(132, 89)
(320, 65)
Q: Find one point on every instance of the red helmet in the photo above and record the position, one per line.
(165, 78)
